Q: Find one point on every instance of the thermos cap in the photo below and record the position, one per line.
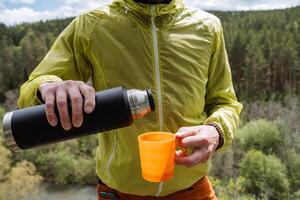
(141, 102)
(151, 100)
(7, 132)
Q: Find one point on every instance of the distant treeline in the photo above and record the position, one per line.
(22, 47)
(264, 52)
(263, 48)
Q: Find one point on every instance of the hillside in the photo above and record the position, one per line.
(263, 48)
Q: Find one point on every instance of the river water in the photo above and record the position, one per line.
(50, 192)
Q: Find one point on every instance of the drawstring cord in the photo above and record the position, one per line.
(126, 9)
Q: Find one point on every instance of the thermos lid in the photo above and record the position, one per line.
(141, 102)
(151, 100)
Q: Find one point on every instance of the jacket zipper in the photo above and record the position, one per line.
(157, 70)
(158, 83)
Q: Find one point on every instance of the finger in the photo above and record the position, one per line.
(194, 141)
(50, 109)
(42, 91)
(62, 106)
(180, 153)
(198, 156)
(89, 93)
(76, 102)
(184, 132)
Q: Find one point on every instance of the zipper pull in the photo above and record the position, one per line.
(153, 16)
(109, 195)
(126, 9)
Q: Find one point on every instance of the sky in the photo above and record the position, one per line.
(18, 11)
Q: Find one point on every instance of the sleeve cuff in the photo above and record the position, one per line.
(29, 90)
(221, 134)
(223, 140)
(40, 81)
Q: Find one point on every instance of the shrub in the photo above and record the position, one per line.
(5, 161)
(71, 162)
(293, 163)
(265, 176)
(17, 182)
(231, 189)
(260, 135)
(22, 183)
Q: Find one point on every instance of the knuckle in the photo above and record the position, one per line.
(80, 82)
(77, 111)
(49, 91)
(49, 104)
(61, 102)
(54, 85)
(77, 99)
(194, 132)
(45, 86)
(206, 141)
(182, 129)
(68, 83)
(91, 92)
(60, 87)
(90, 89)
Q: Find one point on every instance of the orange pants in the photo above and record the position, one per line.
(201, 190)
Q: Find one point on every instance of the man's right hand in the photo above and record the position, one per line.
(58, 93)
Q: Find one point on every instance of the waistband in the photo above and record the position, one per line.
(201, 190)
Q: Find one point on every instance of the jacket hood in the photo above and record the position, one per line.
(160, 9)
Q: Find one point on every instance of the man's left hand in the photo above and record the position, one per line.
(203, 140)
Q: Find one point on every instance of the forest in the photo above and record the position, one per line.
(263, 162)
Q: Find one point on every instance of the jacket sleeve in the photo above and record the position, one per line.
(66, 60)
(221, 104)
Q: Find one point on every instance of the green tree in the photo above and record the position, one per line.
(260, 135)
(6, 66)
(265, 176)
(256, 69)
(70, 162)
(293, 165)
(34, 48)
(236, 57)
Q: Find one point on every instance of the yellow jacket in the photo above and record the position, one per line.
(176, 51)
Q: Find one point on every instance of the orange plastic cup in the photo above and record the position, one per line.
(157, 154)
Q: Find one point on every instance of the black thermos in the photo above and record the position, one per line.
(115, 108)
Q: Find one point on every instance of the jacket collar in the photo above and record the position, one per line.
(160, 9)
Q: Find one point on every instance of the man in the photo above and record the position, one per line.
(177, 52)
